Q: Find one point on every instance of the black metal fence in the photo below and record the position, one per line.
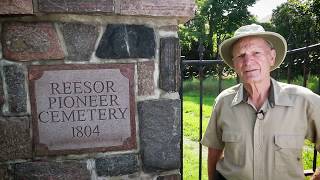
(301, 62)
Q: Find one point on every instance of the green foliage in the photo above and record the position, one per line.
(224, 17)
(214, 21)
(307, 155)
(297, 21)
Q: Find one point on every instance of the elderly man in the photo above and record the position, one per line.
(258, 127)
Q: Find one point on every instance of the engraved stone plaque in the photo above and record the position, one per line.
(82, 108)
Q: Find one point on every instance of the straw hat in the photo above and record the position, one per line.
(275, 39)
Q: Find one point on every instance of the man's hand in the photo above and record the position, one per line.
(316, 175)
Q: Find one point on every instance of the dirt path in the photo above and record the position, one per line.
(194, 145)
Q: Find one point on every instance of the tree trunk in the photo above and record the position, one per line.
(210, 38)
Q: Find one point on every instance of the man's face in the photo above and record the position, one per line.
(252, 59)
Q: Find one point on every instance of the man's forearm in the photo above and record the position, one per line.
(213, 157)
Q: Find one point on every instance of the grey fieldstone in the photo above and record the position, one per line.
(4, 173)
(170, 177)
(127, 41)
(1, 49)
(173, 28)
(15, 138)
(15, 80)
(1, 94)
(145, 78)
(28, 41)
(80, 40)
(117, 165)
(169, 64)
(16, 7)
(73, 170)
(160, 125)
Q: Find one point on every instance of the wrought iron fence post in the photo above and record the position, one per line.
(181, 114)
(289, 71)
(201, 50)
(220, 70)
(305, 70)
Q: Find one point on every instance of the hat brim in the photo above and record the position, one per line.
(278, 42)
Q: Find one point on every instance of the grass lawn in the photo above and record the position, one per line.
(191, 161)
(191, 125)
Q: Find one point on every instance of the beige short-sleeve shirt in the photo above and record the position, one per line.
(267, 146)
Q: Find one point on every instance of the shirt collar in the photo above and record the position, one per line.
(239, 97)
(281, 98)
(276, 97)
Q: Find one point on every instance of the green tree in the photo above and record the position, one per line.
(296, 21)
(214, 21)
(224, 17)
(315, 9)
(191, 33)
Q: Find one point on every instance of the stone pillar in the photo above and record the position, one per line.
(89, 89)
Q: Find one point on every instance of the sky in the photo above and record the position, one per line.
(263, 8)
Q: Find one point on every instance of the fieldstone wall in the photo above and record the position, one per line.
(93, 32)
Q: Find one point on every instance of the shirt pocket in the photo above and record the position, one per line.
(234, 147)
(288, 155)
